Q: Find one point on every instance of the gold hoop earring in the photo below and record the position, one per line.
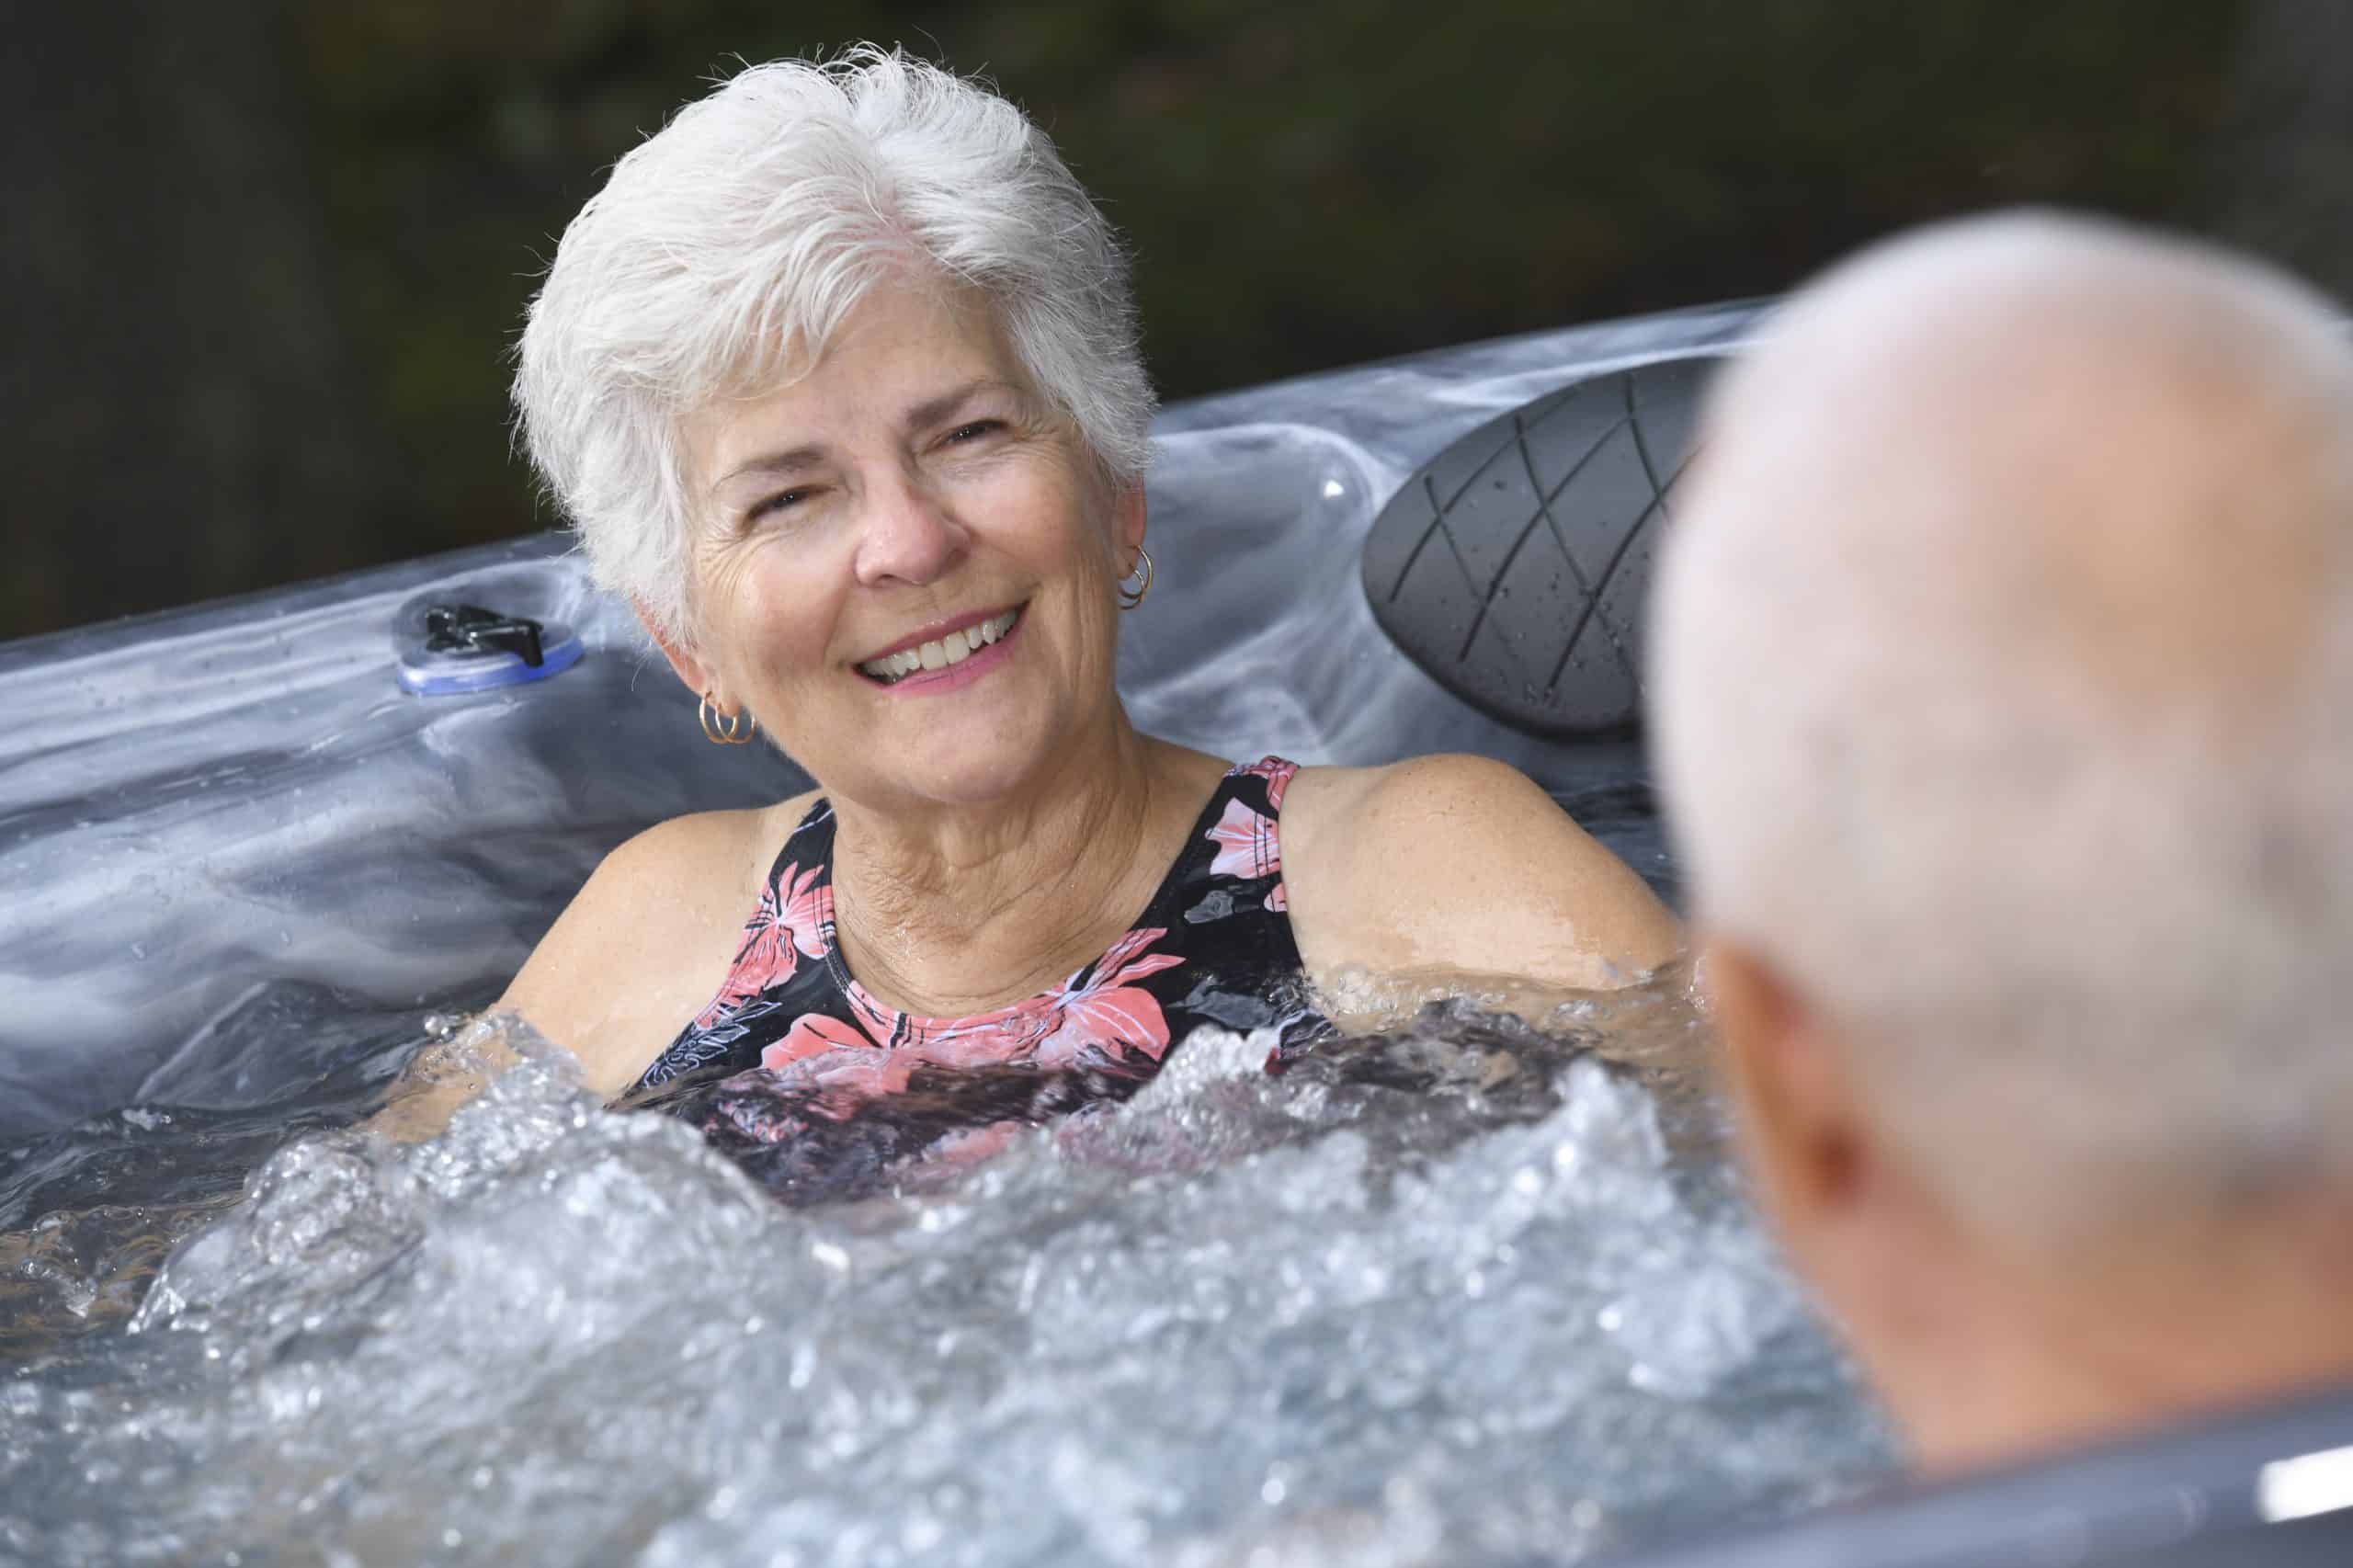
(728, 729)
(1131, 597)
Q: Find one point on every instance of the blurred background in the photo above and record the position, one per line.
(264, 261)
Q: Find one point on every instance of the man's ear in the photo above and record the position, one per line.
(1880, 1250)
(690, 669)
(1802, 1130)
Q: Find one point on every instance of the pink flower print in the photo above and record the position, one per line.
(1110, 1014)
(1280, 900)
(812, 1034)
(1008, 1035)
(1248, 844)
(808, 910)
(1277, 773)
(847, 1081)
(960, 1151)
(834, 1082)
(786, 928)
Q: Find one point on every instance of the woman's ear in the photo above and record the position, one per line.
(676, 648)
(1127, 521)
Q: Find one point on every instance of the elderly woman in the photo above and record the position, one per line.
(839, 379)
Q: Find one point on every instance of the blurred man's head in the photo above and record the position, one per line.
(2003, 692)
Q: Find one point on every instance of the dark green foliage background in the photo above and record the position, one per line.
(266, 260)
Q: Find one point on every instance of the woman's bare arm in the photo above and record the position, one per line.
(644, 945)
(640, 949)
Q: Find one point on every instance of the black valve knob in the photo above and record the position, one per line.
(466, 629)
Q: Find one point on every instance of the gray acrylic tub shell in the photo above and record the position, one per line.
(234, 848)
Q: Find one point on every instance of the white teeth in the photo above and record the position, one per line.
(953, 649)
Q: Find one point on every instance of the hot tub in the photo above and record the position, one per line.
(1469, 1292)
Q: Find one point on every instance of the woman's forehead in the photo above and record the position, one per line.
(910, 320)
(902, 359)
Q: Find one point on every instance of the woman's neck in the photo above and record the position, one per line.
(952, 911)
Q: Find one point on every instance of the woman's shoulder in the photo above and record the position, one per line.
(717, 859)
(704, 847)
(647, 939)
(1447, 791)
(1353, 837)
(1454, 861)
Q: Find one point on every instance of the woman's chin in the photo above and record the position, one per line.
(954, 764)
(970, 781)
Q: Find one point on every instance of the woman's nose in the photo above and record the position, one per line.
(909, 536)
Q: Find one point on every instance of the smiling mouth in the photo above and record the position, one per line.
(953, 649)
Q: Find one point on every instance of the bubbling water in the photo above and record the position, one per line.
(1462, 1293)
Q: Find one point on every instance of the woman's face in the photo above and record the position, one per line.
(903, 566)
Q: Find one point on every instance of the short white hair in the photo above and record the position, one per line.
(725, 251)
(2003, 700)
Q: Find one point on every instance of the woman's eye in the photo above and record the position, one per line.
(780, 501)
(975, 431)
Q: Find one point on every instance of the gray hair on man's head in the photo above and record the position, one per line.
(2003, 695)
(725, 251)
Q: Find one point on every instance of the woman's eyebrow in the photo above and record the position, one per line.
(770, 465)
(932, 410)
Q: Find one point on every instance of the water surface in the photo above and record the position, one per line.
(1466, 1293)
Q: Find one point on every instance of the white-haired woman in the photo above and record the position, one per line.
(839, 379)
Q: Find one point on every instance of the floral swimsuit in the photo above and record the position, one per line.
(791, 1029)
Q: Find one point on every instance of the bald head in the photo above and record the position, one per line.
(2131, 454)
(2003, 689)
